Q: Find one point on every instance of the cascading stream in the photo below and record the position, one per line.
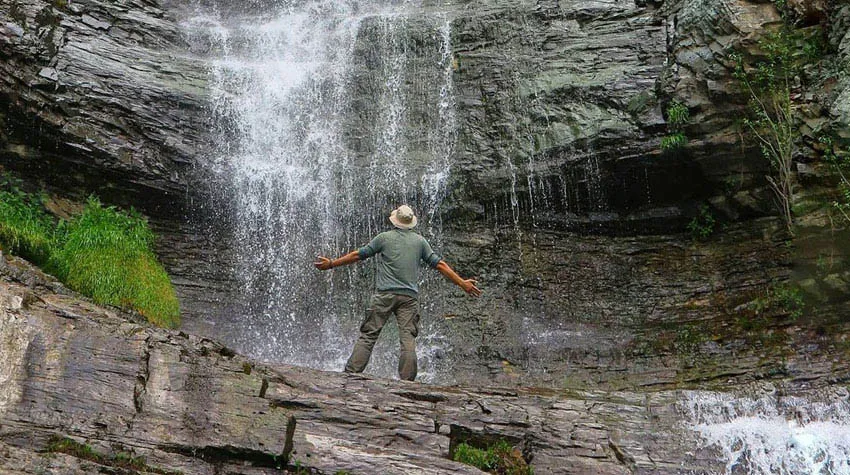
(770, 434)
(330, 115)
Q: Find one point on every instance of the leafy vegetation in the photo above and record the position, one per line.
(500, 458)
(770, 81)
(840, 161)
(103, 253)
(677, 117)
(106, 254)
(785, 298)
(703, 225)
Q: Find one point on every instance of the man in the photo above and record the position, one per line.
(401, 253)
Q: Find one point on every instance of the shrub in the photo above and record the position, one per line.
(106, 254)
(770, 82)
(500, 458)
(703, 225)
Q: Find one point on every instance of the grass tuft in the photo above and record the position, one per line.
(501, 458)
(25, 228)
(103, 253)
(122, 460)
(106, 254)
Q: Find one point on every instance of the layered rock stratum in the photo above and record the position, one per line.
(187, 404)
(560, 201)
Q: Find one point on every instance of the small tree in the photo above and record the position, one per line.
(769, 81)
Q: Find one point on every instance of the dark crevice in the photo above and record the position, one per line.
(289, 404)
(424, 397)
(142, 377)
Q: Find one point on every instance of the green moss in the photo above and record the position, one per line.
(104, 253)
(501, 458)
(122, 460)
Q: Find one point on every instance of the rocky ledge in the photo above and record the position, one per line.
(72, 370)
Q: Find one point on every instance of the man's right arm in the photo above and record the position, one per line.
(323, 263)
(468, 285)
(365, 252)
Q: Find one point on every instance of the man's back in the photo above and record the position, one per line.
(400, 256)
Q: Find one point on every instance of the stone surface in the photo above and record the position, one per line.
(560, 201)
(189, 404)
(186, 403)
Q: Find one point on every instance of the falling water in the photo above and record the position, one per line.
(331, 114)
(769, 434)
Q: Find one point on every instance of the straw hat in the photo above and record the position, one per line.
(403, 217)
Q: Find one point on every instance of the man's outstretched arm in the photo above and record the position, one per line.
(468, 285)
(323, 263)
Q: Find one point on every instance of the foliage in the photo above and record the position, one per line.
(703, 225)
(677, 117)
(840, 162)
(770, 81)
(673, 141)
(104, 253)
(677, 114)
(25, 228)
(72, 447)
(786, 298)
(500, 458)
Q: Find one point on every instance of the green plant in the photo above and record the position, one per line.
(500, 458)
(787, 298)
(127, 460)
(768, 81)
(703, 225)
(25, 228)
(122, 460)
(678, 115)
(106, 254)
(673, 141)
(840, 162)
(76, 449)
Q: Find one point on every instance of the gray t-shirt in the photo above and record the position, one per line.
(400, 256)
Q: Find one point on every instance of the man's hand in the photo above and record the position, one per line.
(469, 287)
(323, 263)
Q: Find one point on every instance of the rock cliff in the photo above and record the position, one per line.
(560, 199)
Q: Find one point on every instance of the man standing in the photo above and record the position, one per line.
(401, 253)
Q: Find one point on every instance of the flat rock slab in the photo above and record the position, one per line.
(188, 404)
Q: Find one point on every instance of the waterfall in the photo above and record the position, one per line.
(771, 434)
(328, 115)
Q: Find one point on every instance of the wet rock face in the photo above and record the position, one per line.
(560, 199)
(101, 96)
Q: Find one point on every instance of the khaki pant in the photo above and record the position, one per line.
(406, 311)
